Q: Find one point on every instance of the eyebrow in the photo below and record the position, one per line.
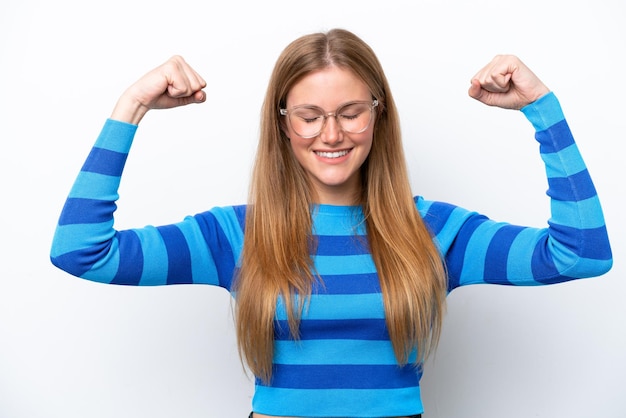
(312, 106)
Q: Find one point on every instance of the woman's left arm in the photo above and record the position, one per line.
(575, 244)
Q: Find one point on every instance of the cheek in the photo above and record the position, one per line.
(366, 140)
(366, 145)
(298, 148)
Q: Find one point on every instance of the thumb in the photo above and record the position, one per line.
(168, 101)
(475, 90)
(199, 96)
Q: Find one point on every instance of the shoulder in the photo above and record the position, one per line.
(436, 213)
(443, 220)
(228, 218)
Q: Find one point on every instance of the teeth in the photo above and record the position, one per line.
(336, 154)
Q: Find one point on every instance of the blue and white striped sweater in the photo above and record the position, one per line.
(344, 362)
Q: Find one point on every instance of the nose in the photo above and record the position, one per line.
(331, 131)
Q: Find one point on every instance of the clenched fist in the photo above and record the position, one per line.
(506, 82)
(172, 84)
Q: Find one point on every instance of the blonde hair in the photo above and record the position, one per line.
(276, 260)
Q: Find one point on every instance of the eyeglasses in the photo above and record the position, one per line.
(308, 121)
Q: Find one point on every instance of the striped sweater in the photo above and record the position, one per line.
(344, 364)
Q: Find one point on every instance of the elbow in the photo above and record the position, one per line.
(600, 268)
(599, 256)
(69, 263)
(80, 262)
(587, 267)
(582, 253)
(604, 266)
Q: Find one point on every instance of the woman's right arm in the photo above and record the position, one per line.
(196, 250)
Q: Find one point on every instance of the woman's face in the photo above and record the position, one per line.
(333, 158)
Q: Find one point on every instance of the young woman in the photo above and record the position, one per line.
(339, 273)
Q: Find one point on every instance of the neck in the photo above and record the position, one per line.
(346, 194)
(338, 197)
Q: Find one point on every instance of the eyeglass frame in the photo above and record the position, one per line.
(372, 105)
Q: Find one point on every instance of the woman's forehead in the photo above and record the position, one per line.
(328, 88)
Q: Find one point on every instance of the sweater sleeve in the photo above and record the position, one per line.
(199, 249)
(574, 245)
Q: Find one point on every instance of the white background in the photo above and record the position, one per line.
(71, 348)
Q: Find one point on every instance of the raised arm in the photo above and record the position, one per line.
(574, 245)
(198, 249)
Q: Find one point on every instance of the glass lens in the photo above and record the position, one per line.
(309, 121)
(354, 117)
(306, 121)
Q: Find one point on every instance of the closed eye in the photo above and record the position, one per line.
(310, 119)
(350, 116)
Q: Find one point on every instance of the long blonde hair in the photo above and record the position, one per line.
(276, 260)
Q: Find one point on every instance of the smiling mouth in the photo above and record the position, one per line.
(335, 154)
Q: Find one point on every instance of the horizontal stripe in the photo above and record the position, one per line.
(338, 402)
(554, 162)
(555, 139)
(562, 188)
(584, 243)
(349, 264)
(103, 161)
(348, 284)
(116, 136)
(344, 376)
(340, 307)
(86, 211)
(338, 220)
(338, 245)
(584, 214)
(337, 351)
(95, 186)
(349, 329)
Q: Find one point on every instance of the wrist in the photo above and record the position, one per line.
(544, 112)
(128, 110)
